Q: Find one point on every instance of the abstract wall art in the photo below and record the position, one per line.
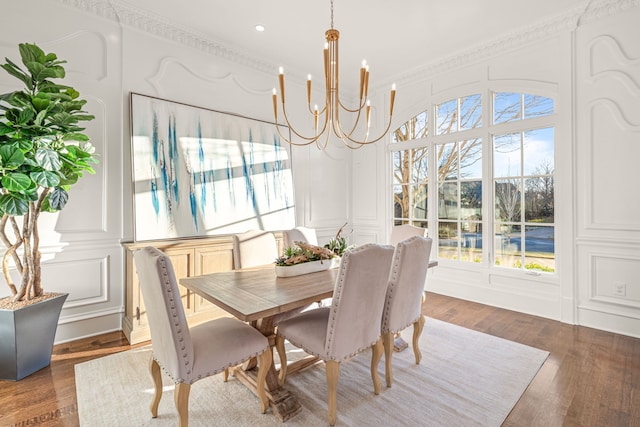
(199, 172)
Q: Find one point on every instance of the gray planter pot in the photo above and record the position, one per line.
(27, 336)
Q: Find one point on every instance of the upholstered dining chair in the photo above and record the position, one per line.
(254, 248)
(405, 292)
(186, 354)
(300, 234)
(404, 231)
(350, 325)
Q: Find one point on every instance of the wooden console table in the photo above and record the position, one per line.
(190, 257)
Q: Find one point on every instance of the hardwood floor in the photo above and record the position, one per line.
(591, 378)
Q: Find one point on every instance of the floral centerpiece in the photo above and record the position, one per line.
(305, 258)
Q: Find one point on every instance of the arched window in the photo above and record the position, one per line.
(493, 198)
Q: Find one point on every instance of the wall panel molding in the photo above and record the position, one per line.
(154, 24)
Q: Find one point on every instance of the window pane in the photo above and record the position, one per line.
(507, 199)
(420, 164)
(539, 248)
(539, 199)
(416, 127)
(538, 151)
(470, 112)
(447, 161)
(401, 166)
(448, 240)
(420, 202)
(448, 200)
(471, 200)
(506, 107)
(401, 201)
(471, 158)
(537, 106)
(420, 128)
(506, 155)
(447, 117)
(471, 242)
(508, 238)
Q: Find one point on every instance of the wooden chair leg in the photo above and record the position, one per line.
(264, 363)
(181, 398)
(417, 331)
(333, 371)
(375, 360)
(387, 341)
(156, 376)
(282, 354)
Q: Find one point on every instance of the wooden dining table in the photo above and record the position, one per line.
(256, 295)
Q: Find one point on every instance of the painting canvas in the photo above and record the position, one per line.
(199, 172)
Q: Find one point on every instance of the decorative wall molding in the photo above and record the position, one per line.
(154, 24)
(151, 23)
(167, 62)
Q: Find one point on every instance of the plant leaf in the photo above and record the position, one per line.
(13, 205)
(11, 157)
(48, 159)
(58, 198)
(45, 178)
(16, 182)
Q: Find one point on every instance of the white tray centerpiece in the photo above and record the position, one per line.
(304, 258)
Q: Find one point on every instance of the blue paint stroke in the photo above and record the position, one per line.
(247, 179)
(154, 195)
(203, 177)
(192, 201)
(230, 180)
(164, 176)
(173, 158)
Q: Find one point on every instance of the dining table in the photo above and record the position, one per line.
(257, 295)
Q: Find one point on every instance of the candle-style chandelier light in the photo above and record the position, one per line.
(333, 105)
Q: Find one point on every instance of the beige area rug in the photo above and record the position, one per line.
(466, 378)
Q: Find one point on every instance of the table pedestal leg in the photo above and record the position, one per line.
(283, 404)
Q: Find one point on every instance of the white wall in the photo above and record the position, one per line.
(112, 52)
(607, 211)
(80, 246)
(591, 65)
(109, 57)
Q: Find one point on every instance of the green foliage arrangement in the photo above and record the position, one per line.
(43, 152)
(307, 253)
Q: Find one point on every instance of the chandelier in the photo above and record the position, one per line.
(330, 111)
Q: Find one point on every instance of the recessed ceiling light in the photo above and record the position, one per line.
(259, 27)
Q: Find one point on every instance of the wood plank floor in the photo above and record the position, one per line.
(591, 378)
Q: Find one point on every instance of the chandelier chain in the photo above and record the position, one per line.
(332, 14)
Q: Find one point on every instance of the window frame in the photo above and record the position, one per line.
(485, 132)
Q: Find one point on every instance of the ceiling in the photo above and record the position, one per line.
(394, 37)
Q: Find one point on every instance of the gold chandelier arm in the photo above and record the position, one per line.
(307, 140)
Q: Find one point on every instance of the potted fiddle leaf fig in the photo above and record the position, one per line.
(43, 152)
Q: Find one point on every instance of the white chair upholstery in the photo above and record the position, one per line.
(300, 234)
(405, 292)
(254, 248)
(403, 232)
(350, 325)
(186, 354)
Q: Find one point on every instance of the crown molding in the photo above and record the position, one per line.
(143, 20)
(148, 22)
(567, 21)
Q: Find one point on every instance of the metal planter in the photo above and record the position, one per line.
(27, 336)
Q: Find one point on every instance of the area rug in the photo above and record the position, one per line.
(466, 378)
